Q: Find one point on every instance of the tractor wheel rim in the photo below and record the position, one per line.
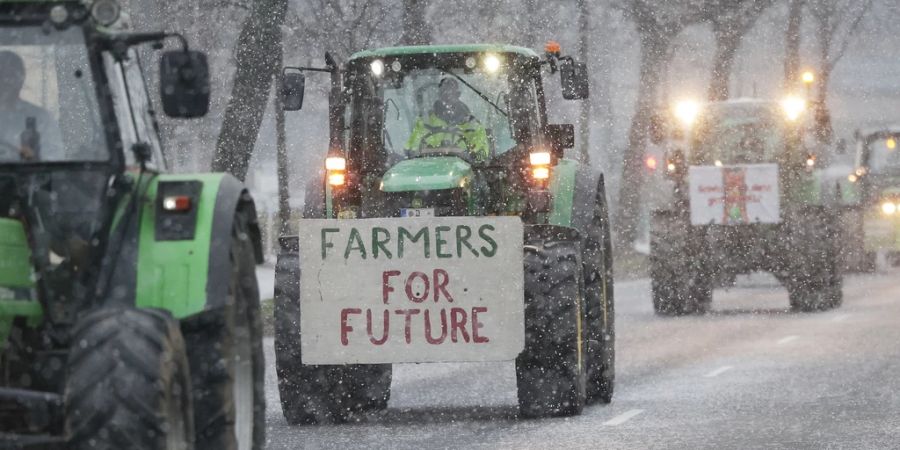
(243, 388)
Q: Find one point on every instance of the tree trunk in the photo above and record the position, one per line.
(792, 43)
(654, 45)
(584, 120)
(728, 40)
(256, 57)
(282, 162)
(415, 28)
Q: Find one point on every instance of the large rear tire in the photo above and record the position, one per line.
(128, 382)
(816, 283)
(227, 361)
(550, 371)
(599, 305)
(680, 283)
(317, 394)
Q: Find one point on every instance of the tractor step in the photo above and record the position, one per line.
(32, 412)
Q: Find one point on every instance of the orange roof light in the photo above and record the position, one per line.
(553, 47)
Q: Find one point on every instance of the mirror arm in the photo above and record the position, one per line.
(118, 43)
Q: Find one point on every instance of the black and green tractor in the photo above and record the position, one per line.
(444, 177)
(874, 238)
(747, 196)
(129, 309)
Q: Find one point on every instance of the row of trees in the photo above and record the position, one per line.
(836, 22)
(270, 28)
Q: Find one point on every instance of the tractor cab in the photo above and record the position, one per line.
(454, 130)
(105, 258)
(877, 161)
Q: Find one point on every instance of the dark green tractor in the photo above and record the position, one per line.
(129, 310)
(747, 197)
(478, 202)
(874, 239)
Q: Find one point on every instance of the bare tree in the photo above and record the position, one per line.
(256, 58)
(837, 23)
(730, 20)
(792, 42)
(415, 29)
(657, 24)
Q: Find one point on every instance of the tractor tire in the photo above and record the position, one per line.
(128, 382)
(550, 373)
(317, 394)
(816, 282)
(680, 284)
(599, 305)
(227, 360)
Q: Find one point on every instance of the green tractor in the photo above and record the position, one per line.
(746, 197)
(129, 309)
(876, 185)
(449, 227)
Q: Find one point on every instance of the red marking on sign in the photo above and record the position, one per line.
(458, 323)
(428, 336)
(385, 328)
(476, 325)
(409, 288)
(345, 327)
(386, 284)
(408, 328)
(441, 279)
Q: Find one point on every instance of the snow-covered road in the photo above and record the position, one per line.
(749, 375)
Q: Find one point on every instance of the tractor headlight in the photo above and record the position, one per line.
(686, 112)
(888, 207)
(540, 165)
(793, 107)
(336, 166)
(105, 12)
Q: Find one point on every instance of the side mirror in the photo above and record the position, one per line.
(184, 84)
(561, 136)
(292, 86)
(574, 78)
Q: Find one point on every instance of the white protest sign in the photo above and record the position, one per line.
(734, 195)
(411, 290)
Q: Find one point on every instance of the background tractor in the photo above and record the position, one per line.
(746, 197)
(875, 196)
(503, 179)
(129, 310)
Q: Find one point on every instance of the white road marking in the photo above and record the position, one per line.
(622, 418)
(787, 339)
(718, 371)
(840, 318)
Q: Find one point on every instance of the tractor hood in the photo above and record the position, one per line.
(426, 174)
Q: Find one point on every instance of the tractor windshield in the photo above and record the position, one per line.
(460, 105)
(749, 134)
(48, 102)
(884, 156)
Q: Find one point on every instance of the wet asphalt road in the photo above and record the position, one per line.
(749, 375)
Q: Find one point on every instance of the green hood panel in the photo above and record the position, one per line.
(426, 174)
(15, 255)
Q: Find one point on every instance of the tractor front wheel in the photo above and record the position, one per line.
(550, 372)
(226, 356)
(128, 382)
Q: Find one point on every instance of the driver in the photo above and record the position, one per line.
(450, 124)
(44, 142)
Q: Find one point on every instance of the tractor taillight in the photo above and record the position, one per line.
(540, 165)
(177, 203)
(336, 167)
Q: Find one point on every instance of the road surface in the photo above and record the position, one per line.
(749, 375)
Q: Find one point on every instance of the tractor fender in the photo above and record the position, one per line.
(190, 273)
